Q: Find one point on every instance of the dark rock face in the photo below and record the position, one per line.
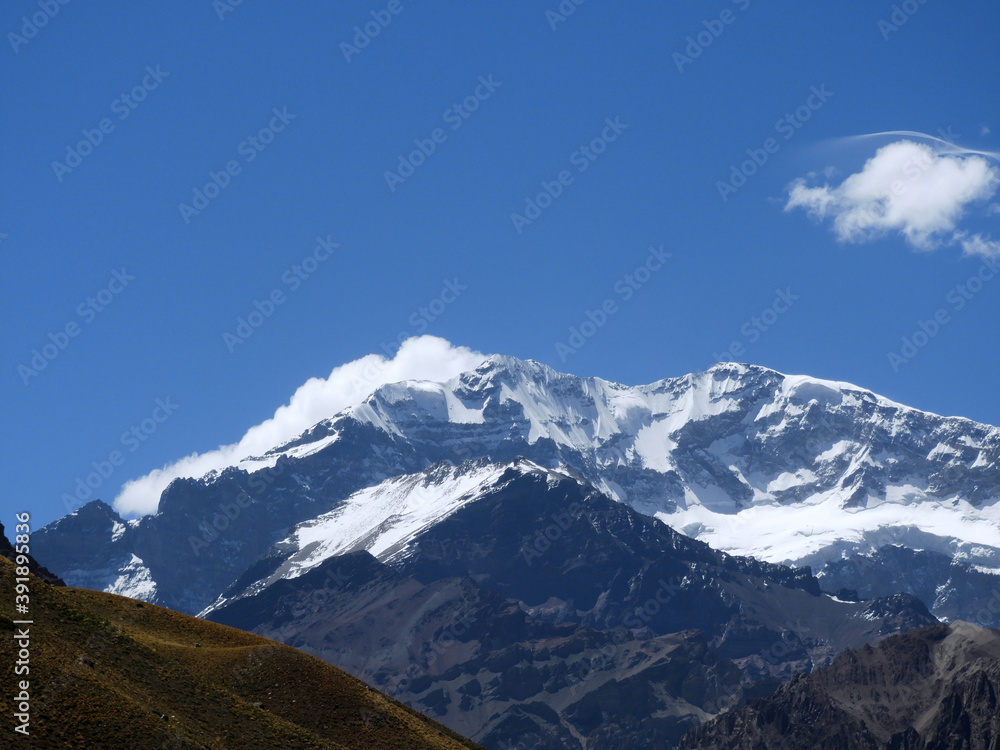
(111, 673)
(934, 688)
(951, 589)
(208, 532)
(545, 614)
(9, 551)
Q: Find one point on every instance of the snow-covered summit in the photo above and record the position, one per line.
(385, 518)
(785, 468)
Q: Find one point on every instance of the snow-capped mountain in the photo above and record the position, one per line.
(542, 613)
(787, 469)
(381, 520)
(510, 550)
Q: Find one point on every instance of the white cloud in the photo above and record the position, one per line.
(423, 358)
(976, 244)
(919, 190)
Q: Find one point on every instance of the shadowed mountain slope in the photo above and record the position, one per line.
(934, 688)
(112, 672)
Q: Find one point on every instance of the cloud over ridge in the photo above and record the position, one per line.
(420, 358)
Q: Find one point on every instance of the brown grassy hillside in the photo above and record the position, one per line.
(111, 672)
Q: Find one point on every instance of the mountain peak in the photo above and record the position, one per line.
(786, 468)
(699, 449)
(94, 512)
(10, 552)
(741, 368)
(507, 366)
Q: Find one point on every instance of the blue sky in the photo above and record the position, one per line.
(631, 124)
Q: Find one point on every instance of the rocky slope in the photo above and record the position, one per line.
(111, 672)
(932, 688)
(953, 590)
(543, 613)
(9, 551)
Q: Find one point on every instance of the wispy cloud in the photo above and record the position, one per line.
(423, 358)
(921, 191)
(976, 244)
